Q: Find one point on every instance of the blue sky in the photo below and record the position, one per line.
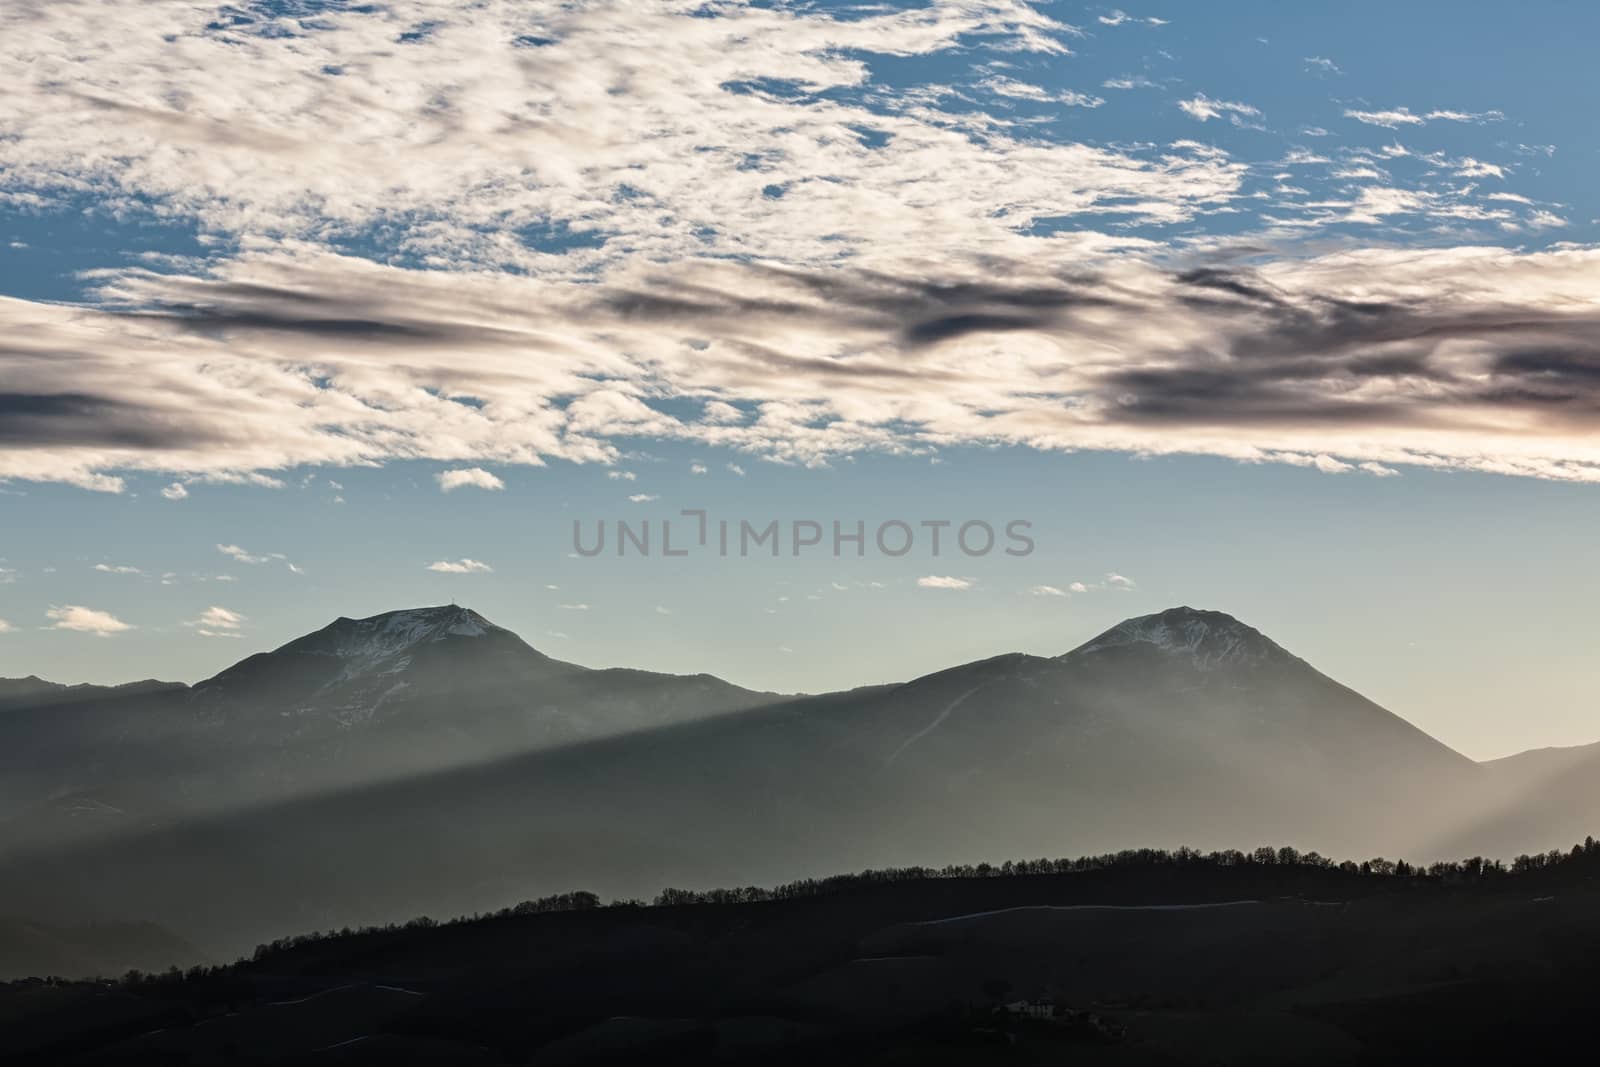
(1285, 310)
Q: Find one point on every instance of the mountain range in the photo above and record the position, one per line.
(398, 694)
(428, 761)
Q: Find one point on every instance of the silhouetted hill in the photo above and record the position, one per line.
(1141, 957)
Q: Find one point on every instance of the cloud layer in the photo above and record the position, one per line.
(519, 232)
(1475, 358)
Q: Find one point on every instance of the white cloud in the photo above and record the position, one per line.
(469, 477)
(464, 135)
(644, 498)
(5, 627)
(217, 622)
(1122, 18)
(1322, 65)
(111, 568)
(574, 607)
(1110, 581)
(86, 620)
(941, 581)
(621, 476)
(175, 491)
(241, 555)
(660, 610)
(460, 566)
(1476, 117)
(1203, 108)
(1394, 118)
(7, 575)
(1018, 90)
(697, 468)
(736, 469)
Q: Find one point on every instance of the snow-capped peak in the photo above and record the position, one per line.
(1210, 638)
(397, 632)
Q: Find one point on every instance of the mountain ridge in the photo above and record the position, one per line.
(515, 774)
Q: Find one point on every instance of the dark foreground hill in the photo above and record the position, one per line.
(1139, 958)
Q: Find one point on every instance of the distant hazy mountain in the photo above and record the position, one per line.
(1545, 799)
(399, 694)
(111, 949)
(33, 691)
(1186, 727)
(446, 670)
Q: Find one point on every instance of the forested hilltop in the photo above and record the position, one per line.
(1138, 956)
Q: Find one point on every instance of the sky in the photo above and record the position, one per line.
(318, 309)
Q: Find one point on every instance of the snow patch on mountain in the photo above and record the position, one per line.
(397, 631)
(383, 646)
(1211, 639)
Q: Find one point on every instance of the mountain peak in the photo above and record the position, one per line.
(395, 632)
(1210, 638)
(353, 667)
(449, 616)
(381, 645)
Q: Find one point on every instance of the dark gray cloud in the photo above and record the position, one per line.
(57, 420)
(1387, 359)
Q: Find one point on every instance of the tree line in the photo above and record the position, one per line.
(1582, 858)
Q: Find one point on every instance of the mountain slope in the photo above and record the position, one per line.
(361, 700)
(1540, 800)
(347, 672)
(1182, 728)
